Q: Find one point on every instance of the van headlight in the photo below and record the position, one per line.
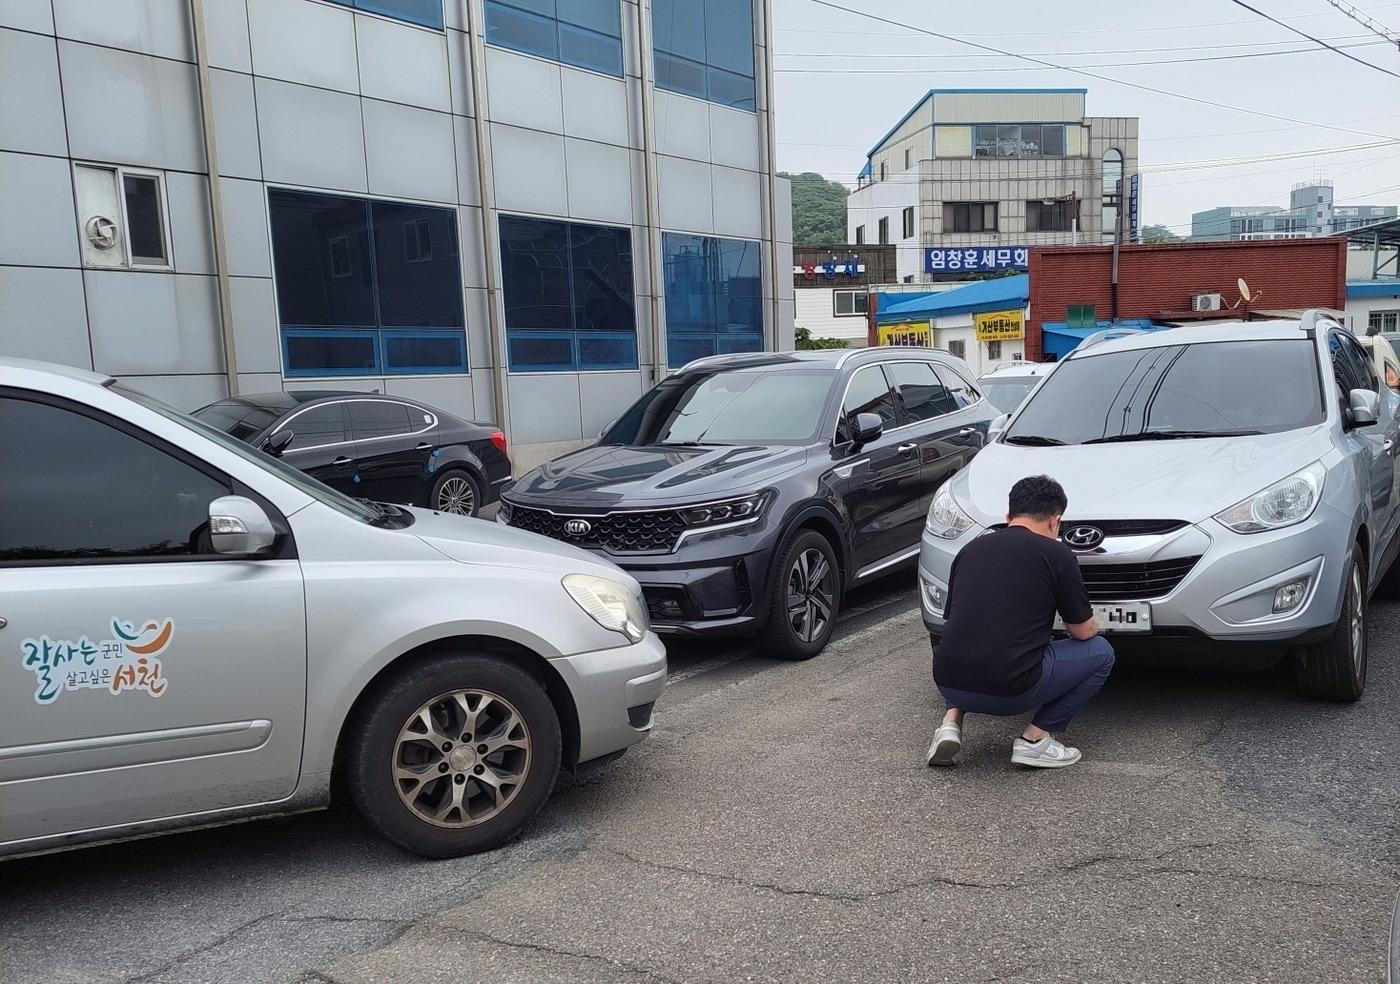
(1284, 503)
(611, 604)
(945, 517)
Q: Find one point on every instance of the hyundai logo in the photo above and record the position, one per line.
(1082, 537)
(578, 527)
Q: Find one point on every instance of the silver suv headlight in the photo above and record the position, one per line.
(945, 517)
(1284, 503)
(611, 604)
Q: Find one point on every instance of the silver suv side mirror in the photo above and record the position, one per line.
(996, 428)
(240, 527)
(1363, 407)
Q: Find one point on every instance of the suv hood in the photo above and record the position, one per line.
(480, 541)
(604, 476)
(1189, 480)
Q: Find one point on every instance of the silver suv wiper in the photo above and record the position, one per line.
(1035, 440)
(1169, 435)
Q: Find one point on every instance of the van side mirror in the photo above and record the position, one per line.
(869, 427)
(278, 443)
(239, 527)
(1363, 407)
(997, 427)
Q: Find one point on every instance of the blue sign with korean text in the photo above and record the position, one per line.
(1134, 208)
(975, 259)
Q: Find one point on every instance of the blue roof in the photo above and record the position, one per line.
(933, 92)
(1059, 340)
(983, 295)
(1373, 288)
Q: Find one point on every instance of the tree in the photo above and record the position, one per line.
(805, 342)
(1159, 234)
(818, 210)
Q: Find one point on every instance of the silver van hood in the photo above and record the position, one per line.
(1189, 480)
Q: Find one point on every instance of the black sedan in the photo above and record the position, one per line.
(370, 446)
(747, 492)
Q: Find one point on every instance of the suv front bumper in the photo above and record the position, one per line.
(1229, 593)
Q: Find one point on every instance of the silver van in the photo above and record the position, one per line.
(1228, 484)
(192, 632)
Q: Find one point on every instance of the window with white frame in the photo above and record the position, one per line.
(958, 348)
(123, 217)
(994, 351)
(1383, 321)
(908, 158)
(908, 219)
(849, 303)
(860, 235)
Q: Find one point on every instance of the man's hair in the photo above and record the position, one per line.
(1037, 496)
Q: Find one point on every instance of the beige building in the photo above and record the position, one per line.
(996, 171)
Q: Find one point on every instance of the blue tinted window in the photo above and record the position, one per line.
(352, 263)
(585, 33)
(705, 48)
(714, 296)
(425, 12)
(569, 296)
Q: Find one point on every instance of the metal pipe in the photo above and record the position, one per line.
(659, 360)
(218, 239)
(771, 167)
(500, 370)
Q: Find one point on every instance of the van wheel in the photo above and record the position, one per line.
(455, 492)
(454, 756)
(1335, 669)
(805, 590)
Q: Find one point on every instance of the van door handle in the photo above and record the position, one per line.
(907, 448)
(342, 460)
(423, 446)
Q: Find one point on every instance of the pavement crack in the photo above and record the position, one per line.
(372, 920)
(213, 944)
(558, 951)
(1097, 859)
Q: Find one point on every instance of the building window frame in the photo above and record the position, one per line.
(118, 174)
(971, 217)
(1059, 215)
(860, 235)
(883, 228)
(386, 9)
(856, 303)
(1010, 141)
(722, 331)
(690, 72)
(957, 347)
(497, 12)
(884, 170)
(1383, 321)
(907, 222)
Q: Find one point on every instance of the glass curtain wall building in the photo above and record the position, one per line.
(522, 211)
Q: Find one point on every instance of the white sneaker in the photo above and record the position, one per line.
(947, 742)
(1048, 753)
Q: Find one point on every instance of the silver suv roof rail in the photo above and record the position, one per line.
(1107, 334)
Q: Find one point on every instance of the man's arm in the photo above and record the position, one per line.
(1072, 600)
(1083, 630)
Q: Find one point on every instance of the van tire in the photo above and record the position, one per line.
(379, 740)
(1335, 669)
(779, 638)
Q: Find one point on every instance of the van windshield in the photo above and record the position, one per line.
(1211, 389)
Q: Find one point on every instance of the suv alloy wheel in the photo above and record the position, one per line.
(1335, 669)
(805, 590)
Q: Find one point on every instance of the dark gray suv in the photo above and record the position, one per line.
(747, 492)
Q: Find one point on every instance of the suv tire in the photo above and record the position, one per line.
(804, 598)
(440, 699)
(1335, 669)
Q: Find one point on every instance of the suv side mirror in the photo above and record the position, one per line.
(869, 427)
(1363, 406)
(997, 427)
(240, 527)
(278, 442)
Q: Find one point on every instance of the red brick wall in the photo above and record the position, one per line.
(1282, 273)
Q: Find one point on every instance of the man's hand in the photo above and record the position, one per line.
(1083, 630)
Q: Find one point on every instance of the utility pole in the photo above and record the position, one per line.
(1117, 241)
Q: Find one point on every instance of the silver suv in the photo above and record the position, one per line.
(192, 632)
(1227, 484)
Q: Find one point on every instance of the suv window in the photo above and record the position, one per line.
(1209, 388)
(922, 392)
(963, 392)
(378, 418)
(868, 392)
(1350, 365)
(317, 427)
(88, 490)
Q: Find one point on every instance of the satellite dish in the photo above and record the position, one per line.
(1244, 290)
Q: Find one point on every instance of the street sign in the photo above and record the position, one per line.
(975, 259)
(916, 333)
(999, 326)
(1134, 207)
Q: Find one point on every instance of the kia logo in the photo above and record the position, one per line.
(578, 527)
(1082, 537)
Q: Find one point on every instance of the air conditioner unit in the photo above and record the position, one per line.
(1205, 302)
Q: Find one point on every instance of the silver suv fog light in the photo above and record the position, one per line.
(934, 595)
(1289, 596)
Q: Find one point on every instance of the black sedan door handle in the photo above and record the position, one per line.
(342, 460)
(423, 446)
(907, 448)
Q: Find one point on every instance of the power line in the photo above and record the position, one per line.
(1305, 34)
(1374, 26)
(1046, 54)
(1094, 75)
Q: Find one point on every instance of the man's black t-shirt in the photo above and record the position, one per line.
(1003, 593)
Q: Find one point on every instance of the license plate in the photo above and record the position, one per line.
(1124, 617)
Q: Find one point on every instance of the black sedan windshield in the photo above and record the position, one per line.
(239, 418)
(1212, 389)
(738, 406)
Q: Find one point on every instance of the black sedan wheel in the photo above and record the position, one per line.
(805, 592)
(455, 492)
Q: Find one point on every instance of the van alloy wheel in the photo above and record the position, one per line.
(811, 594)
(456, 496)
(461, 758)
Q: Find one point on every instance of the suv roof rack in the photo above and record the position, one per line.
(1107, 334)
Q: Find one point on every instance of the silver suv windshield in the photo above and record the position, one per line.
(1210, 389)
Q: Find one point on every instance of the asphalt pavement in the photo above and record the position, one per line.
(780, 825)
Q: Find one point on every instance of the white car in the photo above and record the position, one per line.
(192, 632)
(1009, 383)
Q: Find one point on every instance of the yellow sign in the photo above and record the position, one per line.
(914, 333)
(999, 326)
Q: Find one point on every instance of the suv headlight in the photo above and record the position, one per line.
(945, 517)
(728, 511)
(611, 604)
(1284, 503)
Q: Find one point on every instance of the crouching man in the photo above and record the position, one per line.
(996, 655)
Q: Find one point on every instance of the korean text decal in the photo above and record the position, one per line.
(959, 259)
(128, 661)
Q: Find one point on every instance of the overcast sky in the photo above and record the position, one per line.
(831, 109)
